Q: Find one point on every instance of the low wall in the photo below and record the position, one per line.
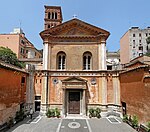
(6, 113)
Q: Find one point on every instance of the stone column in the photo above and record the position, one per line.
(45, 91)
(45, 56)
(64, 103)
(102, 55)
(44, 97)
(104, 91)
(116, 87)
(83, 103)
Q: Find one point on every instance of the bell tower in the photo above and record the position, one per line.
(53, 16)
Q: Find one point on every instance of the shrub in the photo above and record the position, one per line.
(125, 118)
(98, 111)
(91, 112)
(148, 124)
(48, 113)
(135, 121)
(53, 113)
(57, 112)
(94, 112)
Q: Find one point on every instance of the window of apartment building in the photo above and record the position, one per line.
(61, 61)
(133, 42)
(49, 26)
(146, 34)
(22, 41)
(140, 47)
(35, 53)
(147, 47)
(134, 35)
(87, 56)
(139, 34)
(23, 80)
(109, 67)
(140, 41)
(22, 51)
(26, 51)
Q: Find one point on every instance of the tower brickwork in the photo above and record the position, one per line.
(53, 16)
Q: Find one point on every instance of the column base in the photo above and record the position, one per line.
(43, 109)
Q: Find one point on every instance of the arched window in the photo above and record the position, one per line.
(55, 15)
(49, 26)
(87, 59)
(61, 61)
(52, 15)
(49, 15)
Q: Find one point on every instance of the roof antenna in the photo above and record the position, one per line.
(20, 23)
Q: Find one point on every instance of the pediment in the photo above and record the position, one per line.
(74, 79)
(75, 27)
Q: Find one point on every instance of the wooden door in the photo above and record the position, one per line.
(74, 103)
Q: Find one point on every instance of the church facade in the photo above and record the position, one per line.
(74, 77)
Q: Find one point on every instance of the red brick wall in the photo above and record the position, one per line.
(135, 94)
(38, 85)
(11, 89)
(110, 91)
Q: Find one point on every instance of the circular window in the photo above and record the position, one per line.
(55, 80)
(93, 81)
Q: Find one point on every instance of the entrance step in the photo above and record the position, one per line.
(76, 116)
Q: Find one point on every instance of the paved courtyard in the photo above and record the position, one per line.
(44, 124)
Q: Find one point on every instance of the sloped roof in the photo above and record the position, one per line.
(75, 23)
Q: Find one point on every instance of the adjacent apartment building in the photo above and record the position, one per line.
(133, 44)
(19, 44)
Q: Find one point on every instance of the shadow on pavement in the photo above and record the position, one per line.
(26, 120)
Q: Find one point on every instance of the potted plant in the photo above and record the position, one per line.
(10, 122)
(148, 125)
(48, 113)
(125, 118)
(135, 122)
(91, 113)
(98, 111)
(57, 113)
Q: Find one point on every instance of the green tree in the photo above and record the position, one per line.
(148, 40)
(8, 56)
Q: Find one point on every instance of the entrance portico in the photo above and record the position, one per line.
(74, 99)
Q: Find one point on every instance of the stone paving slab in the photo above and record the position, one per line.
(103, 125)
(71, 125)
(74, 125)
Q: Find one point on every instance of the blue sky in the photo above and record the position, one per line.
(115, 16)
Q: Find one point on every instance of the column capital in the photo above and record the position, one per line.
(103, 42)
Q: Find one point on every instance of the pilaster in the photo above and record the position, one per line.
(104, 90)
(45, 56)
(102, 55)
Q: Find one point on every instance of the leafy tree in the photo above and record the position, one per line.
(8, 56)
(148, 40)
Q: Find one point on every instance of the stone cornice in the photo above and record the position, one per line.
(95, 73)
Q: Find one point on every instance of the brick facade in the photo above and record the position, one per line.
(12, 91)
(135, 92)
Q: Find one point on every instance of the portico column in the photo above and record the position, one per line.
(104, 91)
(103, 54)
(45, 56)
(45, 89)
